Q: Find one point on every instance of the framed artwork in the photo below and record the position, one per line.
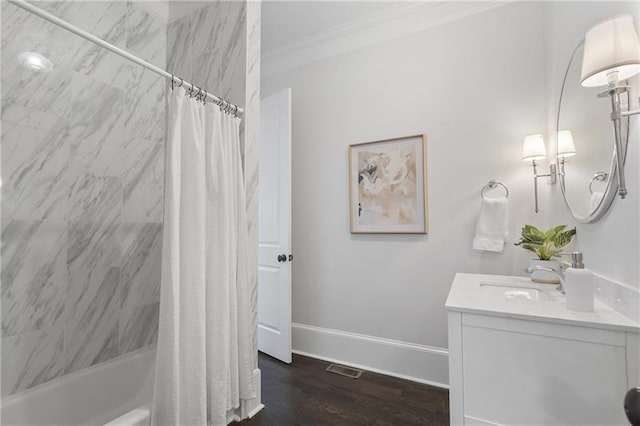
(388, 186)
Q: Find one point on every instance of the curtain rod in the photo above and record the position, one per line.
(228, 106)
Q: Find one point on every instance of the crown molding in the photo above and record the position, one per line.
(393, 22)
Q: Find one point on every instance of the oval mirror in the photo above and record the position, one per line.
(585, 145)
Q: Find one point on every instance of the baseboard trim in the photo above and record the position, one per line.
(255, 411)
(405, 360)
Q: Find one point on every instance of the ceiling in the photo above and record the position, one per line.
(284, 22)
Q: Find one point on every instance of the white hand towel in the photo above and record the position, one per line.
(492, 226)
(596, 197)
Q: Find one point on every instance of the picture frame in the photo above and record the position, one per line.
(388, 186)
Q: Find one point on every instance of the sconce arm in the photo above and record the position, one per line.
(552, 179)
(552, 173)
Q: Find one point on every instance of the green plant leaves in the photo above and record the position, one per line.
(532, 235)
(563, 238)
(551, 233)
(546, 244)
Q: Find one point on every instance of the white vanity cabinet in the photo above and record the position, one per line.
(520, 362)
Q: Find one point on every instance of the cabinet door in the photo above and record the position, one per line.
(522, 372)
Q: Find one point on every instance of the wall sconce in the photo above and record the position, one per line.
(611, 55)
(566, 148)
(533, 150)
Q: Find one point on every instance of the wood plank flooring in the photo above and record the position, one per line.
(303, 393)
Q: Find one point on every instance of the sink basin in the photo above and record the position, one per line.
(515, 291)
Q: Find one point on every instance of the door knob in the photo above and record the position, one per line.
(282, 258)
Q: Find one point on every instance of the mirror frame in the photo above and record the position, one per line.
(611, 189)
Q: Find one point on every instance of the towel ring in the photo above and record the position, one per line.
(598, 177)
(492, 184)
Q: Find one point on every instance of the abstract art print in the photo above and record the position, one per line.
(388, 186)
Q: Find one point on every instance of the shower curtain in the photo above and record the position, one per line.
(204, 359)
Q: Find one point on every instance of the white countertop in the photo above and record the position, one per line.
(466, 296)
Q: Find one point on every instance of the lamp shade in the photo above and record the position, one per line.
(566, 147)
(611, 52)
(533, 148)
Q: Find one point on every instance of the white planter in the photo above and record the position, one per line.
(545, 277)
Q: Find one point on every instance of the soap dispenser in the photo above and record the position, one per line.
(578, 285)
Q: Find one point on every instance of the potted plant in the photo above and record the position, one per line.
(547, 245)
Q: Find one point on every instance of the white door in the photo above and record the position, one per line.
(274, 258)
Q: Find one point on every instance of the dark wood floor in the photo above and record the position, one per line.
(303, 393)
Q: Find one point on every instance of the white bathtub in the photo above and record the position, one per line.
(120, 389)
(116, 393)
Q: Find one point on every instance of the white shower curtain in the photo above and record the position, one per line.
(204, 356)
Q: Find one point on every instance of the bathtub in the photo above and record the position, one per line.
(119, 389)
(115, 393)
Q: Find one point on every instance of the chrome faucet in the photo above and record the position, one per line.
(576, 262)
(560, 274)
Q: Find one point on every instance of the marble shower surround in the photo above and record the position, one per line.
(83, 175)
(251, 152)
(83, 169)
(208, 48)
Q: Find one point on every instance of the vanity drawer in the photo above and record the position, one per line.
(549, 329)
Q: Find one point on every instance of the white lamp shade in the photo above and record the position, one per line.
(609, 46)
(566, 147)
(533, 148)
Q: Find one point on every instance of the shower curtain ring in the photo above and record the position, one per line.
(204, 98)
(172, 85)
(181, 81)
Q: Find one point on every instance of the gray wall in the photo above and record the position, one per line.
(83, 175)
(455, 83)
(620, 228)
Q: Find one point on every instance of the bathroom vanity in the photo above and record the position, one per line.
(517, 355)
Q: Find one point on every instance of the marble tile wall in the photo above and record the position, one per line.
(83, 173)
(218, 47)
(208, 48)
(251, 153)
